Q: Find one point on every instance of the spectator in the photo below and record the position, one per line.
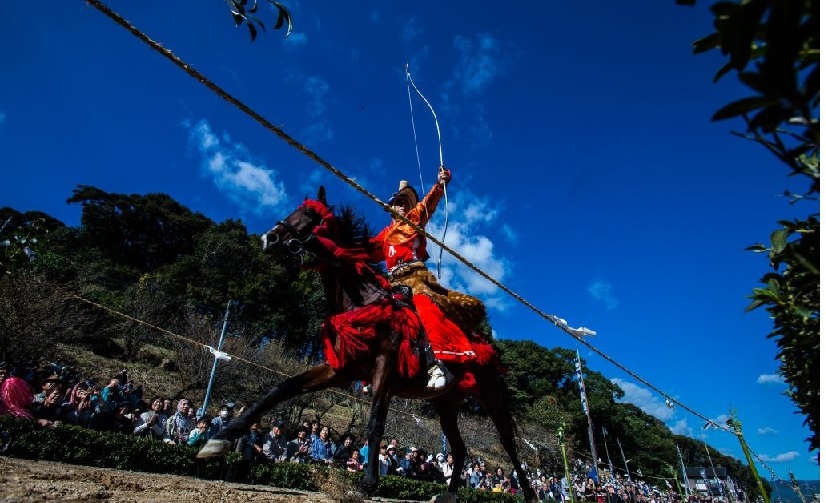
(122, 419)
(152, 423)
(110, 397)
(16, 398)
(564, 494)
(498, 477)
(423, 468)
(167, 409)
(392, 460)
(474, 476)
(513, 482)
(447, 468)
(46, 386)
(344, 451)
(353, 462)
(407, 465)
(298, 450)
(315, 426)
(49, 413)
(78, 408)
(199, 436)
(590, 492)
(275, 444)
(180, 424)
(384, 464)
(222, 420)
(364, 452)
(251, 445)
(544, 493)
(322, 450)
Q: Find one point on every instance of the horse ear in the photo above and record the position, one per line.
(322, 195)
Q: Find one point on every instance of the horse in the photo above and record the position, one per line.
(370, 335)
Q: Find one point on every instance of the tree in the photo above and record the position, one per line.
(774, 47)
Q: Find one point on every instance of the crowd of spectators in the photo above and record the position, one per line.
(61, 395)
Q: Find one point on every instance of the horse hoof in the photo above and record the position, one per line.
(444, 498)
(214, 447)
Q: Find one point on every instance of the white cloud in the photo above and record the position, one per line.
(479, 62)
(510, 233)
(296, 39)
(769, 379)
(411, 30)
(231, 168)
(768, 430)
(317, 89)
(644, 399)
(603, 292)
(472, 220)
(721, 419)
(814, 459)
(780, 458)
(681, 427)
(318, 132)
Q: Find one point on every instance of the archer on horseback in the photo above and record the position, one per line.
(448, 316)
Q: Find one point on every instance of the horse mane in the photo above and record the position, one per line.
(352, 230)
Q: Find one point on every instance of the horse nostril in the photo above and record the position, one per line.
(269, 240)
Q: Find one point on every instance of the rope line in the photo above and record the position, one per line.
(239, 358)
(171, 333)
(560, 323)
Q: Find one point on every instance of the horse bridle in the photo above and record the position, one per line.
(294, 244)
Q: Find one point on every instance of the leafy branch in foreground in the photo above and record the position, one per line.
(244, 12)
(774, 48)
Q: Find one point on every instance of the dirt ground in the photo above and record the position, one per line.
(42, 481)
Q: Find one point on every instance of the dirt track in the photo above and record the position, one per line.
(28, 481)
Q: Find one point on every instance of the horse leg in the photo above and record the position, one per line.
(314, 379)
(494, 400)
(447, 407)
(378, 418)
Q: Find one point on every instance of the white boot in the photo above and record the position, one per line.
(439, 376)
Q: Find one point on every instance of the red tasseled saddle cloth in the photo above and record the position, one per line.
(356, 331)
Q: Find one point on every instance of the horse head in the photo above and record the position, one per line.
(296, 234)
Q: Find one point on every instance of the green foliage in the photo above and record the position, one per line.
(774, 47)
(534, 371)
(139, 233)
(243, 13)
(81, 446)
(290, 475)
(791, 295)
(22, 238)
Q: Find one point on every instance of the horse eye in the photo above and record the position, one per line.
(310, 212)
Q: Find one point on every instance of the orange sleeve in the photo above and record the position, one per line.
(421, 213)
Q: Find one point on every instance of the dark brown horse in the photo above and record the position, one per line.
(365, 340)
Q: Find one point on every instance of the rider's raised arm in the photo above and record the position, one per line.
(423, 211)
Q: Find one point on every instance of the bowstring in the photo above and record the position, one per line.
(418, 160)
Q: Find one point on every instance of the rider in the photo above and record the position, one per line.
(447, 315)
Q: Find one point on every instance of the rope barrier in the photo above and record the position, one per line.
(576, 333)
(212, 350)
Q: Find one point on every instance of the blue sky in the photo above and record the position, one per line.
(588, 177)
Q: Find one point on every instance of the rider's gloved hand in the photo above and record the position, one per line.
(444, 175)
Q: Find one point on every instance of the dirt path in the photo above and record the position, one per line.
(42, 481)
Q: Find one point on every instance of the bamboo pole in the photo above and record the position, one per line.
(738, 430)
